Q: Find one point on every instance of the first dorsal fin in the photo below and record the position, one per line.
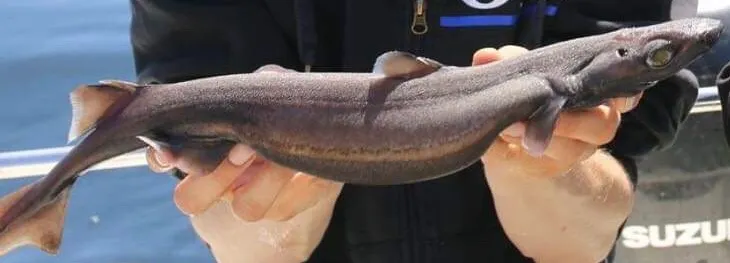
(273, 68)
(91, 103)
(405, 65)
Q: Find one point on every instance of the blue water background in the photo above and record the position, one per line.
(46, 48)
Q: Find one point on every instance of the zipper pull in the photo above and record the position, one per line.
(419, 25)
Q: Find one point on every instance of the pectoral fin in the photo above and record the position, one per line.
(401, 64)
(540, 126)
(43, 228)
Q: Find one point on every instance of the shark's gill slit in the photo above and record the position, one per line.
(583, 65)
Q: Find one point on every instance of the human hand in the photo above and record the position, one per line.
(577, 134)
(253, 210)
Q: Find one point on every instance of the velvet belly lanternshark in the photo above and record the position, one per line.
(411, 119)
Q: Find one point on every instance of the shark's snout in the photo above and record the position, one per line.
(709, 32)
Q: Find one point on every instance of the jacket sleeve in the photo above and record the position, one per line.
(653, 124)
(177, 40)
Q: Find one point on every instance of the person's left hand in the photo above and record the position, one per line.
(577, 134)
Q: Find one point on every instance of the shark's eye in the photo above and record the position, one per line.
(659, 58)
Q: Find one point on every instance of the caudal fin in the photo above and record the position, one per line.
(42, 228)
(34, 214)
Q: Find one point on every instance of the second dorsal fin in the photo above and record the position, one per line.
(92, 103)
(401, 64)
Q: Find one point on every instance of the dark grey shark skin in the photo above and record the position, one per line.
(410, 120)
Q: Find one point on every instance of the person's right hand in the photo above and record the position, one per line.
(253, 210)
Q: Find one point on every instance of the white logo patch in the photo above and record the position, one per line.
(676, 235)
(488, 5)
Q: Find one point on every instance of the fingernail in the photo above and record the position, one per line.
(483, 51)
(240, 154)
(153, 161)
(515, 130)
(631, 103)
(484, 56)
(162, 155)
(164, 158)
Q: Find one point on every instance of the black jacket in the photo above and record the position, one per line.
(446, 220)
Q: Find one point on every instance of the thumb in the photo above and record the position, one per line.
(484, 56)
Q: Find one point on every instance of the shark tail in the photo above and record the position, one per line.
(42, 229)
(34, 214)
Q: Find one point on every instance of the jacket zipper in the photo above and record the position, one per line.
(419, 24)
(418, 27)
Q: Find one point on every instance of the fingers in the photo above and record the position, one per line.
(596, 126)
(576, 136)
(624, 105)
(159, 162)
(252, 200)
(489, 55)
(506, 156)
(278, 193)
(559, 148)
(510, 158)
(484, 56)
(254, 187)
(301, 193)
(196, 193)
(510, 51)
(292, 240)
